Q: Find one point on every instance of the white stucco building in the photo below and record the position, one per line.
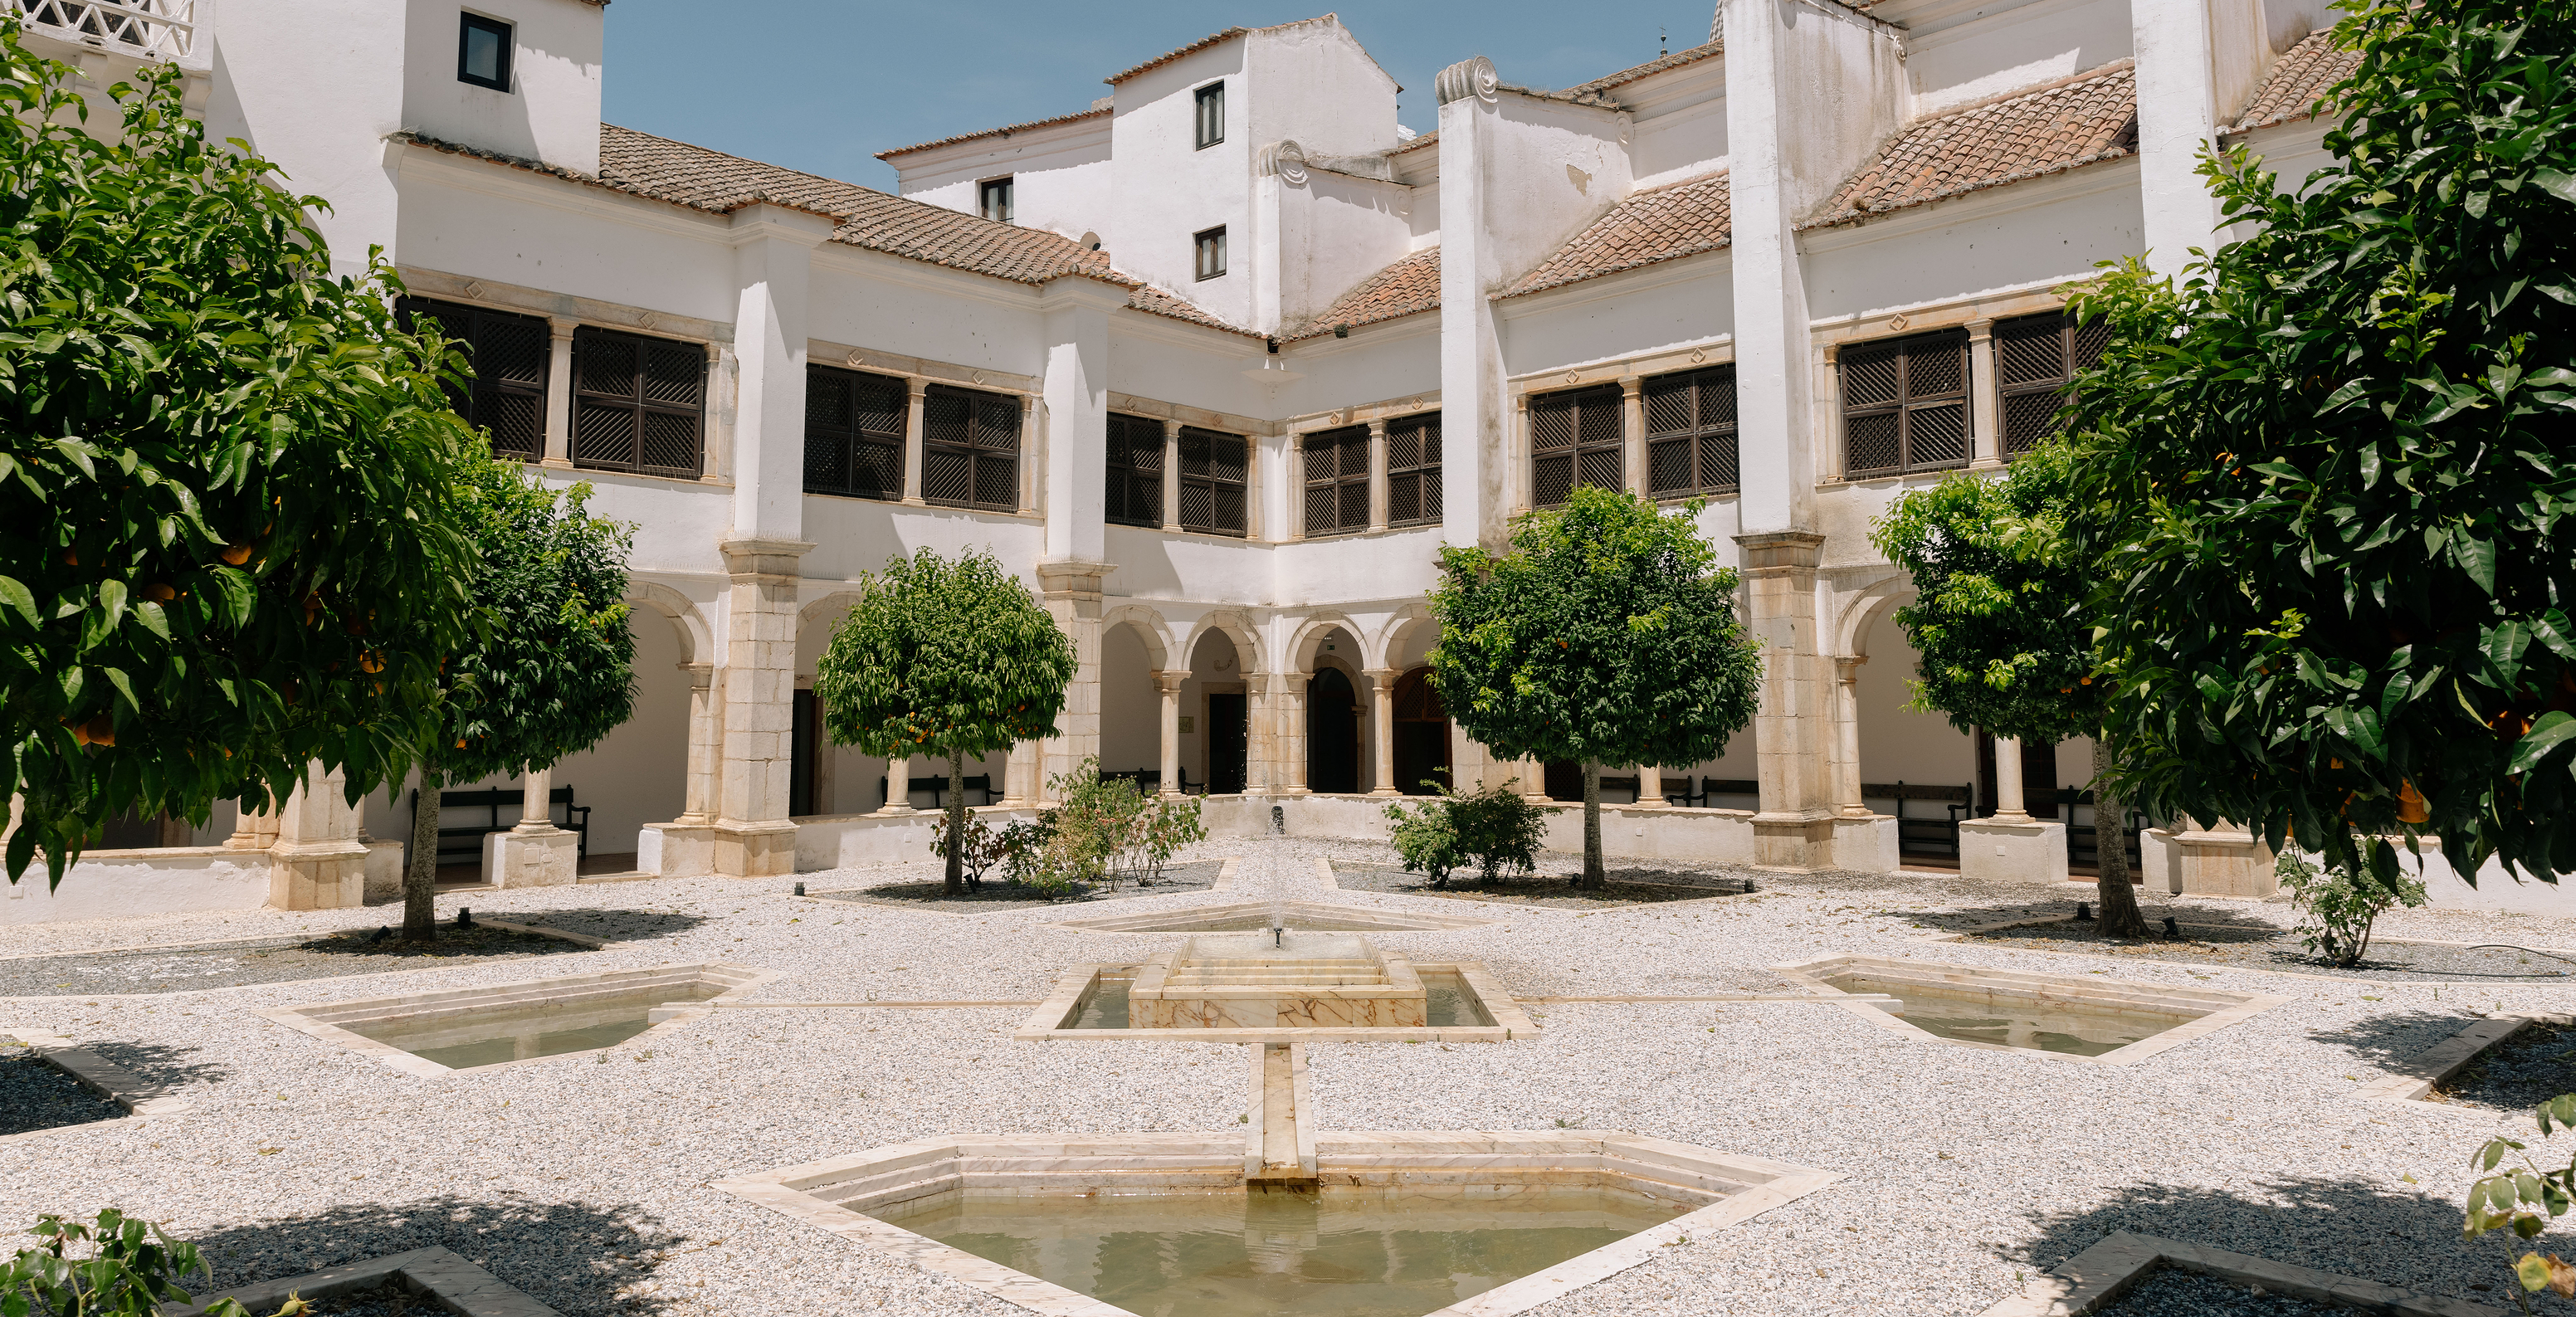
(1216, 361)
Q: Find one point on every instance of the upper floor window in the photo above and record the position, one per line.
(993, 199)
(970, 449)
(1133, 494)
(483, 51)
(1211, 251)
(1413, 470)
(1211, 114)
(1214, 467)
(1337, 480)
(1905, 404)
(1690, 433)
(1575, 439)
(506, 355)
(638, 403)
(854, 426)
(2035, 358)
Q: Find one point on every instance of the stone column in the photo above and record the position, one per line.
(536, 853)
(1533, 776)
(1168, 681)
(1382, 728)
(1019, 775)
(706, 742)
(1632, 432)
(1792, 721)
(1832, 452)
(1071, 591)
(914, 388)
(1031, 461)
(753, 837)
(1171, 475)
(1848, 800)
(2012, 846)
(1262, 773)
(1377, 474)
(1516, 473)
(1295, 500)
(1291, 741)
(317, 861)
(558, 443)
(1650, 787)
(1985, 396)
(898, 787)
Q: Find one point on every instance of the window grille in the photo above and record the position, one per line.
(1574, 440)
(506, 355)
(1413, 470)
(970, 449)
(854, 424)
(1134, 492)
(2036, 357)
(993, 199)
(1211, 251)
(1690, 433)
(1214, 469)
(638, 403)
(1337, 481)
(155, 29)
(483, 51)
(1905, 404)
(1211, 115)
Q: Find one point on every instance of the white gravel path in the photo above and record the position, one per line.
(585, 1183)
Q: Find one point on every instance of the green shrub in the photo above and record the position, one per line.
(2337, 907)
(984, 849)
(115, 1265)
(1168, 825)
(2516, 1197)
(1493, 827)
(1022, 845)
(1426, 838)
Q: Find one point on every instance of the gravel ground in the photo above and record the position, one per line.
(36, 1096)
(264, 960)
(2265, 947)
(1547, 888)
(1197, 876)
(2168, 1292)
(2529, 1068)
(1965, 1170)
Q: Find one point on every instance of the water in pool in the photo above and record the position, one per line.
(462, 1040)
(1333, 1253)
(2021, 1022)
(1448, 1003)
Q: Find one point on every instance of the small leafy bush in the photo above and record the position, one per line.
(1492, 827)
(114, 1265)
(1426, 839)
(2337, 906)
(1167, 826)
(984, 849)
(1022, 845)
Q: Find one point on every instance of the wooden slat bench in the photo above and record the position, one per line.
(460, 838)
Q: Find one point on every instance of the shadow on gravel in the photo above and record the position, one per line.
(615, 925)
(2385, 1040)
(572, 1257)
(2352, 1229)
(161, 1065)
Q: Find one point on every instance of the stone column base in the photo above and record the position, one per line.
(545, 857)
(384, 871)
(2223, 864)
(676, 850)
(1793, 841)
(1865, 843)
(317, 876)
(755, 850)
(2023, 851)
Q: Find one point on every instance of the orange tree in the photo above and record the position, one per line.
(226, 539)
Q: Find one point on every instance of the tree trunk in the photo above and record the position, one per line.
(420, 861)
(956, 824)
(1593, 877)
(2120, 915)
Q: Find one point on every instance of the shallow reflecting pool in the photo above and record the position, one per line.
(462, 1040)
(1448, 1003)
(2009, 1021)
(1333, 1253)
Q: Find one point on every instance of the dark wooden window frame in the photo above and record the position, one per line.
(1906, 404)
(1413, 470)
(1202, 244)
(1335, 479)
(1216, 477)
(1690, 433)
(1577, 436)
(1132, 494)
(509, 355)
(978, 445)
(1207, 105)
(854, 437)
(2036, 357)
(467, 25)
(985, 193)
(654, 422)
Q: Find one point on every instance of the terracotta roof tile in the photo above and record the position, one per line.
(1401, 289)
(2298, 80)
(1652, 67)
(1656, 225)
(2074, 121)
(1167, 57)
(1155, 301)
(1417, 142)
(1095, 112)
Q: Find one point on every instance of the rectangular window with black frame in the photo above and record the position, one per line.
(1413, 470)
(1211, 114)
(2036, 357)
(639, 404)
(1905, 404)
(1209, 245)
(853, 433)
(1690, 433)
(1337, 493)
(1574, 439)
(507, 355)
(1133, 494)
(970, 449)
(1214, 470)
(483, 51)
(993, 199)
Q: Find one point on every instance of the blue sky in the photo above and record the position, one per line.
(821, 85)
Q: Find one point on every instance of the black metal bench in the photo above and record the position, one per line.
(1922, 837)
(2083, 840)
(1150, 780)
(501, 810)
(938, 789)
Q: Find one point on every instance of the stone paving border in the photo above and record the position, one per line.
(1376, 920)
(1046, 1023)
(141, 1098)
(2098, 1276)
(540, 930)
(1324, 870)
(2410, 1081)
(452, 1282)
(1966, 934)
(2216, 1010)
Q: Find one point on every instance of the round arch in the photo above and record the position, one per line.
(1247, 641)
(1305, 641)
(697, 639)
(1383, 647)
(1861, 609)
(1149, 627)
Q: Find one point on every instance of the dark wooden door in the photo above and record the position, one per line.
(1421, 734)
(1227, 741)
(1332, 734)
(1563, 780)
(800, 751)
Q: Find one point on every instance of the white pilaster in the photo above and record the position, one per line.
(558, 447)
(1382, 722)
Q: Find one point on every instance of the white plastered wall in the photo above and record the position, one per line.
(550, 112)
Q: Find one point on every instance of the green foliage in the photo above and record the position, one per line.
(1998, 617)
(2329, 474)
(1023, 845)
(116, 1264)
(2516, 1198)
(2337, 908)
(227, 541)
(1426, 839)
(943, 657)
(1096, 821)
(1493, 827)
(1168, 825)
(985, 848)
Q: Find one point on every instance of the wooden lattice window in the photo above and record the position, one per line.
(854, 426)
(1215, 467)
(1575, 439)
(1690, 433)
(2035, 358)
(1905, 404)
(507, 354)
(1133, 492)
(1337, 493)
(1413, 470)
(970, 449)
(638, 403)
